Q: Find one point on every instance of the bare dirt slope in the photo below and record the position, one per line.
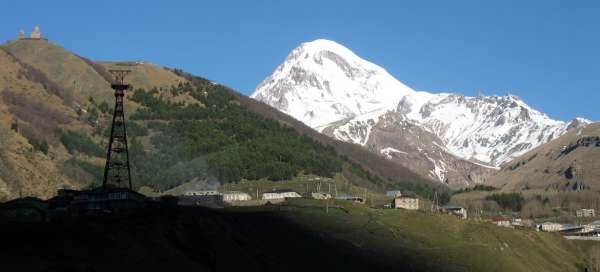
(43, 89)
(570, 162)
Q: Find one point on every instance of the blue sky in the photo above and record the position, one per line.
(546, 52)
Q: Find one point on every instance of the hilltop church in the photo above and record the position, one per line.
(36, 34)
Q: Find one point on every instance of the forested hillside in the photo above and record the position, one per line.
(180, 127)
(232, 142)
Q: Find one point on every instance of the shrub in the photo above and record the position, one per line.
(39, 145)
(74, 141)
(96, 171)
(508, 201)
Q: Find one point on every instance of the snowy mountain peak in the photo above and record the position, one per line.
(321, 82)
(330, 88)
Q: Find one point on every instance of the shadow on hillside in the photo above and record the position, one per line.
(185, 239)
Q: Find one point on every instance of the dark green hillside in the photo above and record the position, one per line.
(232, 142)
(364, 168)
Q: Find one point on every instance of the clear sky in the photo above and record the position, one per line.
(547, 52)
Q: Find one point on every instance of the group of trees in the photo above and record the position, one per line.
(220, 137)
(508, 201)
(74, 141)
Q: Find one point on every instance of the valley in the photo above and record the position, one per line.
(339, 134)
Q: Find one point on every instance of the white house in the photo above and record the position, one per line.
(201, 193)
(321, 196)
(407, 203)
(280, 194)
(586, 213)
(502, 221)
(551, 227)
(236, 196)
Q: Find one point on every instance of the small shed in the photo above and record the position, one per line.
(456, 210)
(321, 195)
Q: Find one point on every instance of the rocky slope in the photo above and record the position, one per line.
(406, 142)
(569, 162)
(331, 89)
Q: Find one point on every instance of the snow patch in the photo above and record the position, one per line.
(388, 151)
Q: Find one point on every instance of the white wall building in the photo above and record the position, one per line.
(201, 193)
(236, 196)
(280, 194)
(551, 227)
(585, 213)
(502, 221)
(321, 196)
(407, 203)
(36, 34)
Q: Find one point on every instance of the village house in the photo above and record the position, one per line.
(393, 193)
(201, 193)
(200, 198)
(321, 196)
(407, 203)
(235, 196)
(459, 211)
(585, 213)
(593, 226)
(280, 194)
(551, 227)
(355, 199)
(501, 221)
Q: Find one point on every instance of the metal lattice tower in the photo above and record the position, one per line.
(116, 171)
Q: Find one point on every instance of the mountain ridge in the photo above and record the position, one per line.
(331, 89)
(54, 128)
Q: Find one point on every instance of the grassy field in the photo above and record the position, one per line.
(439, 241)
(300, 235)
(540, 205)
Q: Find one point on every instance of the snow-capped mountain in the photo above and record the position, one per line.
(321, 82)
(331, 89)
(489, 129)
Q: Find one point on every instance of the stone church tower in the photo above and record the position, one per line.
(36, 34)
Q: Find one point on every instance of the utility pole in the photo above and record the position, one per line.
(434, 203)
